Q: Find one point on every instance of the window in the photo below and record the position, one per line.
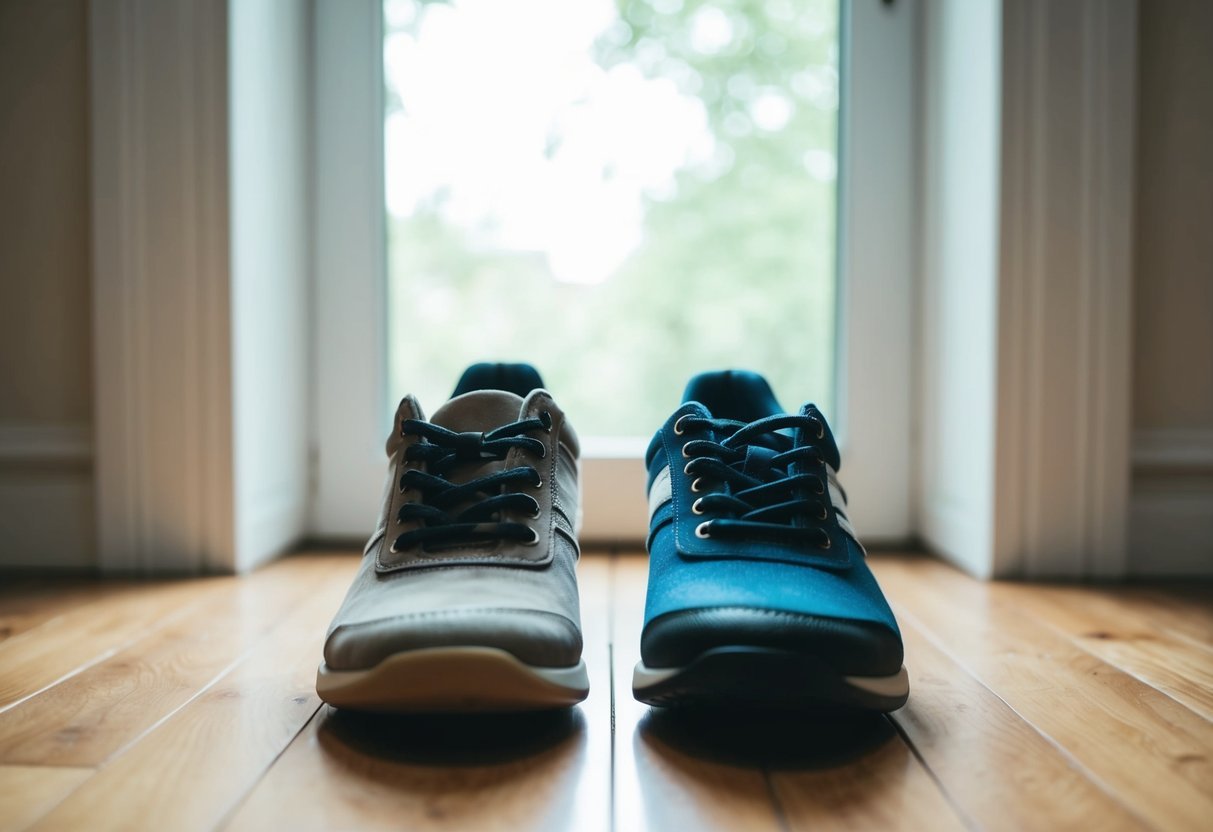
(667, 186)
(622, 195)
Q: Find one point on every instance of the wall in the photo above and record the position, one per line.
(1172, 503)
(45, 332)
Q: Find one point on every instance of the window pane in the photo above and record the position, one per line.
(621, 193)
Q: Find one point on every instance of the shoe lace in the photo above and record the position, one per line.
(758, 483)
(452, 513)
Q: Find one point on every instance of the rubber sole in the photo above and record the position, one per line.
(770, 678)
(453, 680)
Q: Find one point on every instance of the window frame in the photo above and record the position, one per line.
(874, 333)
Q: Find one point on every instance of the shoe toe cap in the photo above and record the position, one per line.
(851, 646)
(541, 639)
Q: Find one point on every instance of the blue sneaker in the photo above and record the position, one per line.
(758, 588)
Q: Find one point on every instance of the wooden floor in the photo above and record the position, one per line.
(189, 705)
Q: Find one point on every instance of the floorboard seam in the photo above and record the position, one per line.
(1113, 663)
(76, 671)
(611, 667)
(1069, 758)
(144, 634)
(243, 798)
(781, 816)
(202, 690)
(969, 822)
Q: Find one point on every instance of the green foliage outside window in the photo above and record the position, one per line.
(735, 263)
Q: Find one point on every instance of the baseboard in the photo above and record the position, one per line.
(46, 497)
(1171, 504)
(34, 444)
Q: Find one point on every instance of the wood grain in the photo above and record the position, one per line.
(1184, 609)
(887, 788)
(522, 772)
(89, 716)
(1152, 752)
(29, 792)
(659, 785)
(24, 604)
(193, 768)
(190, 705)
(999, 770)
(1125, 636)
(91, 632)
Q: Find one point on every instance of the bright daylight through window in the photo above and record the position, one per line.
(621, 193)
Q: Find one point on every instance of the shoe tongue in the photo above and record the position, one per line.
(479, 412)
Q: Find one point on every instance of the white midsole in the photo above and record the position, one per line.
(572, 678)
(896, 685)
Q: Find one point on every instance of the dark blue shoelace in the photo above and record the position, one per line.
(757, 483)
(452, 514)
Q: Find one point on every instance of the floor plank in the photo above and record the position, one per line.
(998, 769)
(29, 792)
(1183, 609)
(1125, 636)
(541, 772)
(1152, 752)
(25, 604)
(89, 716)
(1032, 706)
(658, 785)
(189, 772)
(88, 633)
(886, 788)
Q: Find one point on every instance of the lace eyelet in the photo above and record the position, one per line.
(701, 531)
(696, 508)
(685, 455)
(538, 482)
(678, 431)
(686, 469)
(534, 541)
(537, 513)
(821, 431)
(825, 514)
(393, 548)
(825, 545)
(695, 484)
(545, 416)
(820, 489)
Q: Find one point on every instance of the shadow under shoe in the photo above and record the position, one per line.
(767, 738)
(447, 739)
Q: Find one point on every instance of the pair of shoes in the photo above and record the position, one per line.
(466, 599)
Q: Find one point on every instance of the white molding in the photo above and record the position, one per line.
(352, 418)
(613, 503)
(46, 496)
(1171, 504)
(1187, 450)
(165, 317)
(877, 125)
(1065, 289)
(269, 92)
(1039, 463)
(958, 282)
(39, 444)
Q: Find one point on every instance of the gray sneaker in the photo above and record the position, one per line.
(466, 599)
